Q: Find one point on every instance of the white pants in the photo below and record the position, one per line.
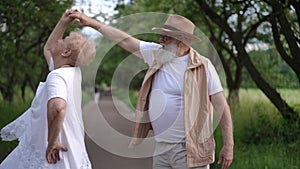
(171, 156)
(97, 97)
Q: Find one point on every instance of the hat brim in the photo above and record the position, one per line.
(173, 32)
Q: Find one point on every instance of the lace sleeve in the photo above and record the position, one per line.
(16, 128)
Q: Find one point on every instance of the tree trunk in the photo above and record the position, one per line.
(233, 98)
(23, 87)
(286, 111)
(8, 95)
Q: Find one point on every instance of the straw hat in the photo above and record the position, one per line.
(179, 25)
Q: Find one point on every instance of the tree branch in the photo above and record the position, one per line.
(286, 30)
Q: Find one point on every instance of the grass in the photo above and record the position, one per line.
(263, 140)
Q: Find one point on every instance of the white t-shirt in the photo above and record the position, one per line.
(166, 108)
(65, 83)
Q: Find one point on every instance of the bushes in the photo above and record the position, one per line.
(260, 122)
(262, 138)
(9, 112)
(265, 130)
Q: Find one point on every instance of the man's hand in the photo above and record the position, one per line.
(80, 18)
(226, 156)
(124, 40)
(52, 152)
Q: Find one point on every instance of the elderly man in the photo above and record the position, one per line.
(176, 96)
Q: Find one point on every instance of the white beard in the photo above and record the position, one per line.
(166, 54)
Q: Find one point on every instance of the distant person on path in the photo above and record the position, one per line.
(97, 95)
(176, 96)
(51, 131)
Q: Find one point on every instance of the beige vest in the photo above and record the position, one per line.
(198, 114)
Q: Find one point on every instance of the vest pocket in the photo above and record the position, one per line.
(207, 147)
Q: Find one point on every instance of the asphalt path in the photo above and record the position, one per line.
(115, 114)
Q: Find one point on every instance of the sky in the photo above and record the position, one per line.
(96, 6)
(93, 7)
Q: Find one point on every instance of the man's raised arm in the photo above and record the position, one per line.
(124, 40)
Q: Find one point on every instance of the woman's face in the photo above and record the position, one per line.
(71, 42)
(58, 48)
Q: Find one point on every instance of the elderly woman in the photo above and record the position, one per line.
(51, 132)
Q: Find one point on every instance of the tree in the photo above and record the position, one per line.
(285, 28)
(25, 26)
(240, 36)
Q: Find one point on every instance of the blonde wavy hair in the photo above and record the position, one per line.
(83, 49)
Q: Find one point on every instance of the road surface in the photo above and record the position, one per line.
(101, 158)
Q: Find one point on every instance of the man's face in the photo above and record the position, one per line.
(165, 39)
(168, 51)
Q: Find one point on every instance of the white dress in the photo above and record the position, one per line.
(32, 132)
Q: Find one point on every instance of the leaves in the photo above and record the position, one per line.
(25, 26)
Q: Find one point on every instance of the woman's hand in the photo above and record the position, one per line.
(65, 17)
(52, 152)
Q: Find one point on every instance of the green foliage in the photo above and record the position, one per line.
(265, 124)
(272, 156)
(129, 97)
(109, 64)
(25, 26)
(9, 112)
(262, 137)
(113, 65)
(274, 69)
(187, 8)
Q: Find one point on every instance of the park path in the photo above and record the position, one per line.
(100, 158)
